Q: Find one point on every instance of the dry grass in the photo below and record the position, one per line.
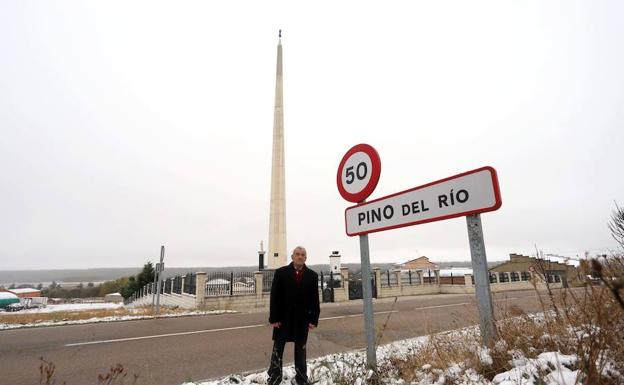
(28, 318)
(116, 375)
(588, 323)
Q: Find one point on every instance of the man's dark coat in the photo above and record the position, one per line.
(294, 304)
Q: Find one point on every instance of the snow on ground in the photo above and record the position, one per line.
(549, 368)
(72, 307)
(7, 326)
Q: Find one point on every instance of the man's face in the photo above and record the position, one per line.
(299, 257)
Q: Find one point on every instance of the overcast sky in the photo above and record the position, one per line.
(127, 125)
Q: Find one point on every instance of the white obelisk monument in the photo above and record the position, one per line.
(276, 254)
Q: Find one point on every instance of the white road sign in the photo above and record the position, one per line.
(468, 193)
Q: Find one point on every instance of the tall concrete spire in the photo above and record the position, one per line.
(277, 219)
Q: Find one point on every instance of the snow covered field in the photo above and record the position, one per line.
(71, 307)
(87, 307)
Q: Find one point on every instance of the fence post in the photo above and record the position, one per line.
(468, 280)
(182, 284)
(398, 278)
(231, 283)
(437, 276)
(259, 286)
(409, 273)
(377, 272)
(344, 272)
(388, 274)
(200, 289)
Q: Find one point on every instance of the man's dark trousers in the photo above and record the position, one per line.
(275, 367)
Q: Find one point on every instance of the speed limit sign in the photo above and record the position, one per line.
(358, 173)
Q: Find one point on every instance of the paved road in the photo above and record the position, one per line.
(168, 351)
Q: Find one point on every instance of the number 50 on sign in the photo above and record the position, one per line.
(358, 173)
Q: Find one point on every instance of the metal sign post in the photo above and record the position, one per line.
(358, 175)
(367, 298)
(482, 279)
(159, 268)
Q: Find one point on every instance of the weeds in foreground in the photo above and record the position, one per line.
(586, 323)
(47, 370)
(116, 375)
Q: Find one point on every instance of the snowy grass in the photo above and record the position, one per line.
(76, 314)
(69, 307)
(455, 357)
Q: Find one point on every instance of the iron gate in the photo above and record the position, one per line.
(328, 283)
(355, 287)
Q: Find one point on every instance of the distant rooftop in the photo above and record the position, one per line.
(24, 290)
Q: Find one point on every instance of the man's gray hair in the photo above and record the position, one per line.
(299, 248)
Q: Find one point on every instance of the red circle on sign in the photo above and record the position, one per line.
(368, 189)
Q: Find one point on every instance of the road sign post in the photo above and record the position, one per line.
(482, 279)
(367, 298)
(358, 175)
(159, 268)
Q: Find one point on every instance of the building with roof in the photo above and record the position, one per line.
(114, 298)
(553, 271)
(26, 292)
(420, 263)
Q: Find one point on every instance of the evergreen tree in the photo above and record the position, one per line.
(146, 275)
(129, 288)
(133, 284)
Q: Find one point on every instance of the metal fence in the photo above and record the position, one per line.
(429, 277)
(410, 277)
(190, 283)
(177, 284)
(330, 279)
(221, 283)
(388, 279)
(267, 280)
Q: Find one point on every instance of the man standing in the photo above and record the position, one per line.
(294, 311)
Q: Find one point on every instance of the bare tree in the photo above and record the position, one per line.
(616, 225)
(611, 270)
